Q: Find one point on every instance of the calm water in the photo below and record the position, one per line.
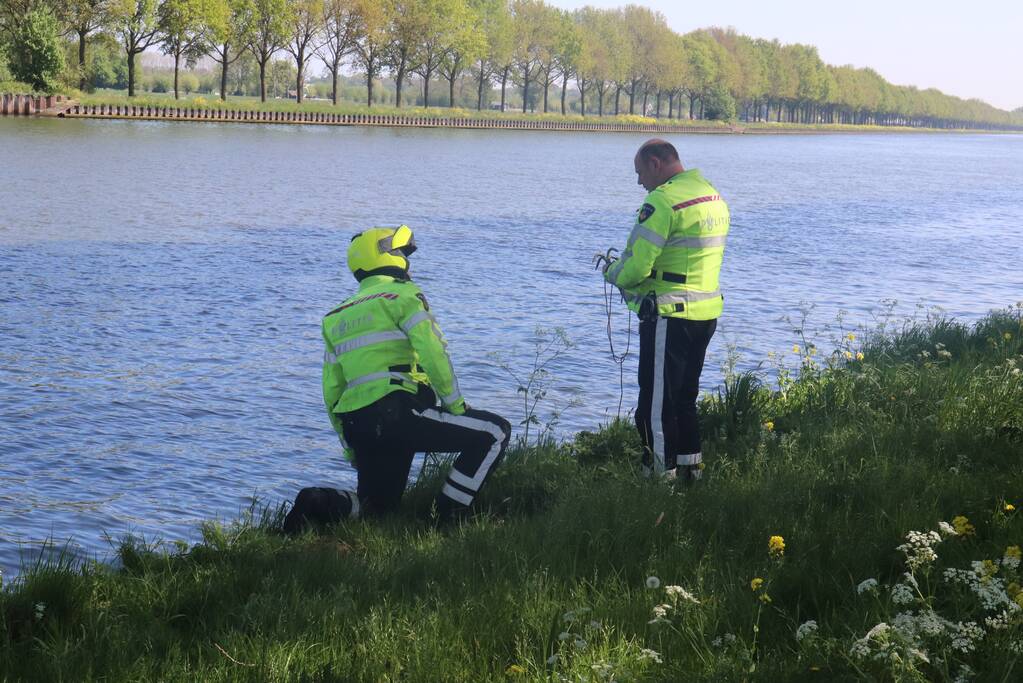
(162, 285)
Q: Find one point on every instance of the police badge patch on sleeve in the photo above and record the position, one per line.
(422, 297)
(646, 212)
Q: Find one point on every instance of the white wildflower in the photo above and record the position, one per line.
(662, 611)
(902, 594)
(568, 617)
(717, 642)
(1010, 562)
(1016, 647)
(650, 655)
(553, 660)
(919, 548)
(594, 625)
(946, 529)
(564, 635)
(40, 609)
(680, 593)
(966, 636)
(867, 586)
(1003, 619)
(964, 675)
(653, 582)
(579, 644)
(808, 629)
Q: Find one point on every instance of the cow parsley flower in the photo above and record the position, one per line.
(807, 629)
(867, 586)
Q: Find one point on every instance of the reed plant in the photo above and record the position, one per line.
(856, 521)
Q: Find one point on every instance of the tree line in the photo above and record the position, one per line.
(617, 60)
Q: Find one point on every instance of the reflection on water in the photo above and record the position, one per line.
(163, 284)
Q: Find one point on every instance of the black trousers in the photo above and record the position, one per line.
(387, 434)
(671, 353)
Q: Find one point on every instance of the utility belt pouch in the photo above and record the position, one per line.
(648, 308)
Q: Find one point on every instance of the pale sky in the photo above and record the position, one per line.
(967, 49)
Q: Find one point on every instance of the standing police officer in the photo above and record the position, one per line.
(386, 363)
(668, 274)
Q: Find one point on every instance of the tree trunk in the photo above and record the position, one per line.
(262, 80)
(646, 96)
(504, 82)
(618, 97)
(582, 98)
(692, 105)
(223, 76)
(82, 82)
(426, 89)
(600, 101)
(451, 90)
(131, 74)
(479, 90)
(657, 114)
(671, 105)
(399, 81)
(564, 91)
(300, 78)
(369, 83)
(525, 90)
(546, 91)
(177, 64)
(333, 89)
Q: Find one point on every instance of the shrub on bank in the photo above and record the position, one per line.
(857, 521)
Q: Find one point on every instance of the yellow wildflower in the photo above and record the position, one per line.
(1009, 507)
(851, 336)
(1014, 552)
(813, 350)
(1007, 336)
(1013, 590)
(515, 669)
(849, 355)
(859, 355)
(764, 598)
(755, 584)
(1019, 598)
(776, 546)
(988, 569)
(795, 348)
(769, 426)
(962, 526)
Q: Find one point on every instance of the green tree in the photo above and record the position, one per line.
(83, 17)
(35, 54)
(226, 31)
(340, 31)
(305, 22)
(528, 30)
(183, 27)
(409, 20)
(466, 42)
(373, 22)
(494, 60)
(267, 32)
(438, 24)
(136, 24)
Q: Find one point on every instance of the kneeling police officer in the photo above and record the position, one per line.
(385, 366)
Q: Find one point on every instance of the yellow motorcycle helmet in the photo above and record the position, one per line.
(381, 251)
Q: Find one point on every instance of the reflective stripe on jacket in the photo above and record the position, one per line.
(384, 339)
(675, 250)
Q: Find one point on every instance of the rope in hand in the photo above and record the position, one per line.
(605, 260)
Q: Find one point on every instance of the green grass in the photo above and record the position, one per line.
(550, 583)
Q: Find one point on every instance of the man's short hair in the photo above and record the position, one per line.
(662, 149)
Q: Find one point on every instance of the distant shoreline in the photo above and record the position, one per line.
(191, 114)
(316, 114)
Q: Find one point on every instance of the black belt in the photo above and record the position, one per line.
(679, 278)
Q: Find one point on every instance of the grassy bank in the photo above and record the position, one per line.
(580, 570)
